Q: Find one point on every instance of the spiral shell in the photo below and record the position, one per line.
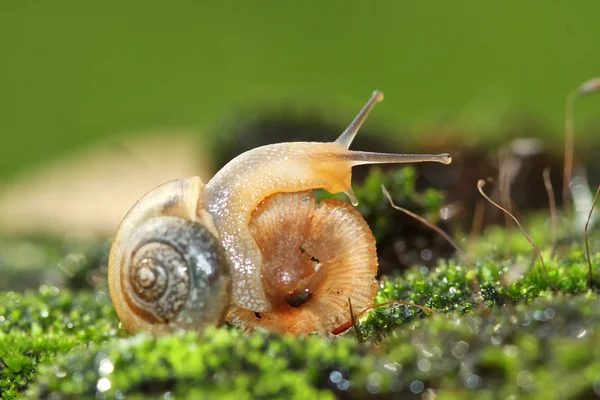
(170, 272)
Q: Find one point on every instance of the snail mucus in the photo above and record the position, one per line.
(252, 246)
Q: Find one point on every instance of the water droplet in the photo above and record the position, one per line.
(524, 378)
(335, 376)
(424, 365)
(511, 351)
(103, 384)
(394, 367)
(539, 315)
(460, 349)
(106, 367)
(416, 387)
(344, 384)
(473, 381)
(374, 383)
(427, 353)
(426, 254)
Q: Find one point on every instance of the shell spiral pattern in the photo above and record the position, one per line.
(175, 274)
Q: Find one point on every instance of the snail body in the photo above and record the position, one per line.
(271, 256)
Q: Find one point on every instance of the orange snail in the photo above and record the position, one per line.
(252, 246)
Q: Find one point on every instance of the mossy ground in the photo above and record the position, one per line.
(526, 341)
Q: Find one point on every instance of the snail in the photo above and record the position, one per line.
(252, 246)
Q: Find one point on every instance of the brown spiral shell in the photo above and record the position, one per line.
(167, 270)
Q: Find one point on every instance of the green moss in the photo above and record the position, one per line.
(546, 348)
(36, 326)
(448, 288)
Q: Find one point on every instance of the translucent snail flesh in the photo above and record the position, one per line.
(252, 243)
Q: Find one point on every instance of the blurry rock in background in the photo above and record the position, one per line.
(69, 261)
(91, 191)
(516, 167)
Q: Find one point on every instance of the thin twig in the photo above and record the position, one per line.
(477, 223)
(387, 303)
(353, 319)
(587, 87)
(439, 230)
(480, 185)
(508, 169)
(587, 246)
(568, 163)
(552, 203)
(347, 325)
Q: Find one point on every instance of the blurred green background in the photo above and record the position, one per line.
(73, 72)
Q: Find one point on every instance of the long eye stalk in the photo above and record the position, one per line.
(364, 157)
(348, 135)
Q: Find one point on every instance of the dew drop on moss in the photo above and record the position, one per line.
(103, 384)
(424, 365)
(335, 377)
(374, 383)
(473, 381)
(416, 387)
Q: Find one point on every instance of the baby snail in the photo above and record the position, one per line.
(252, 246)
